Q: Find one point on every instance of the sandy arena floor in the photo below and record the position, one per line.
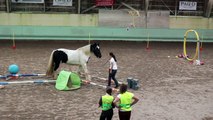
(170, 88)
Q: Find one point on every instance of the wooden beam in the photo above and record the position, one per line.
(88, 9)
(128, 6)
(8, 5)
(79, 6)
(146, 10)
(208, 8)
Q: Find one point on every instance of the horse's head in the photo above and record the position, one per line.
(96, 50)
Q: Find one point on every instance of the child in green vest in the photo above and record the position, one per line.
(124, 102)
(106, 103)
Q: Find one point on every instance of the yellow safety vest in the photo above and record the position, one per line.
(126, 101)
(107, 102)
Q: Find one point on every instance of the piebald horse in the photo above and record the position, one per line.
(78, 57)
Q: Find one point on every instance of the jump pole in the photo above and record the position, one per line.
(104, 79)
(89, 38)
(19, 75)
(49, 81)
(29, 81)
(201, 44)
(95, 84)
(14, 44)
(147, 43)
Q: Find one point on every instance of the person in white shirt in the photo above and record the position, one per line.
(113, 67)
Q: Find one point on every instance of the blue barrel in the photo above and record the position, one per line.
(135, 84)
(129, 81)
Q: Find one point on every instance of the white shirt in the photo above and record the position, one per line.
(113, 64)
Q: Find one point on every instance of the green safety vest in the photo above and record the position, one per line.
(107, 102)
(126, 101)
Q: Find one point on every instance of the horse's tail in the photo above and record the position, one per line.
(50, 65)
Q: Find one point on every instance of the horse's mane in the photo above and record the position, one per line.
(85, 49)
(84, 46)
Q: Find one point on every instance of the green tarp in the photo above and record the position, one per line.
(68, 81)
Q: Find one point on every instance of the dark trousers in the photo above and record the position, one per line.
(106, 115)
(124, 115)
(112, 76)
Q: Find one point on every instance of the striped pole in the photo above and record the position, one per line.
(50, 81)
(14, 44)
(101, 78)
(147, 43)
(19, 75)
(95, 84)
(29, 81)
(89, 38)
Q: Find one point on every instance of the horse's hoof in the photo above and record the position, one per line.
(86, 82)
(2, 86)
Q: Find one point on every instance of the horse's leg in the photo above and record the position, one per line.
(88, 77)
(56, 66)
(80, 70)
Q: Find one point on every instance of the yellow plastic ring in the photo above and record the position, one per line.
(184, 45)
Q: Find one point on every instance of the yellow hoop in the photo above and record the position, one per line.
(184, 45)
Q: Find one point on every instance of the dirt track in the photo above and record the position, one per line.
(170, 88)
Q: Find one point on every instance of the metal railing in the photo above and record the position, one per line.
(3, 6)
(47, 6)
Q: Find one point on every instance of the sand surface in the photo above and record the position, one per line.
(170, 88)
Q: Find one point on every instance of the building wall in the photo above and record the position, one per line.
(80, 27)
(48, 19)
(94, 20)
(124, 18)
(191, 22)
(100, 33)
